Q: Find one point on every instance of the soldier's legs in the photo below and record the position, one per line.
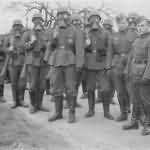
(57, 90)
(14, 76)
(145, 97)
(70, 86)
(33, 81)
(83, 84)
(41, 88)
(2, 99)
(136, 107)
(121, 94)
(91, 86)
(78, 82)
(106, 90)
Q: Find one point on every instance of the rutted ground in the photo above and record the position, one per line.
(96, 133)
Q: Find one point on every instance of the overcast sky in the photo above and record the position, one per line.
(140, 6)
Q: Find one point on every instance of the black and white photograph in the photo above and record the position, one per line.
(74, 75)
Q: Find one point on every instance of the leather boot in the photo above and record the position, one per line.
(133, 124)
(21, 99)
(91, 102)
(32, 108)
(2, 99)
(72, 105)
(40, 100)
(58, 109)
(107, 112)
(15, 98)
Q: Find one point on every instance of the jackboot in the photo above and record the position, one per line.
(32, 108)
(15, 98)
(2, 99)
(91, 102)
(107, 113)
(133, 124)
(58, 109)
(21, 99)
(72, 105)
(40, 100)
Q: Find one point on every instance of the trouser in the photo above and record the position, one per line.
(137, 107)
(64, 77)
(145, 97)
(37, 83)
(18, 85)
(101, 77)
(119, 84)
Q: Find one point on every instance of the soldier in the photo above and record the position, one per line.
(66, 51)
(14, 46)
(108, 25)
(2, 60)
(140, 77)
(35, 42)
(98, 56)
(122, 45)
(77, 23)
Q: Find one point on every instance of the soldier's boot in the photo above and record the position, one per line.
(72, 105)
(58, 109)
(133, 124)
(99, 98)
(21, 99)
(124, 114)
(107, 113)
(47, 87)
(32, 108)
(91, 102)
(2, 99)
(40, 100)
(15, 98)
(146, 129)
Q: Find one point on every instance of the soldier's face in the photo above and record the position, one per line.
(107, 27)
(94, 19)
(76, 23)
(143, 27)
(63, 19)
(63, 16)
(37, 21)
(122, 25)
(17, 29)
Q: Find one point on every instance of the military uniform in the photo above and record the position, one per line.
(98, 57)
(35, 43)
(66, 54)
(14, 46)
(141, 74)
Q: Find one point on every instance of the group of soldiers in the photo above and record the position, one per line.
(69, 54)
